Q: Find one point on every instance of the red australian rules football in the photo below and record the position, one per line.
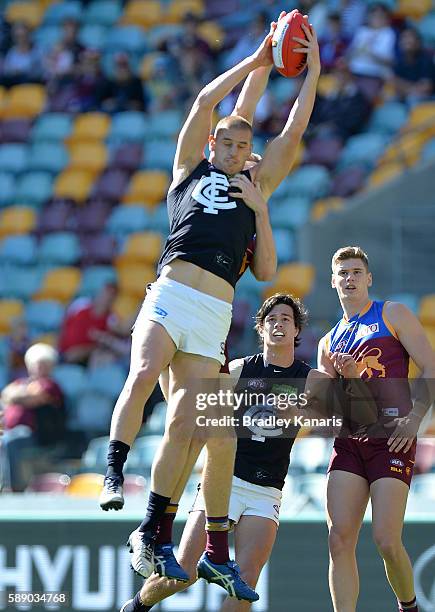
(287, 63)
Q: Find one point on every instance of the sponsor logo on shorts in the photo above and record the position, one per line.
(408, 471)
(397, 462)
(396, 469)
(223, 260)
(159, 311)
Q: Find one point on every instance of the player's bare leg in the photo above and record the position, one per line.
(254, 539)
(152, 349)
(389, 497)
(347, 498)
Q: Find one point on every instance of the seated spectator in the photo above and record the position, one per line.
(21, 63)
(33, 413)
(371, 51)
(353, 14)
(332, 43)
(18, 343)
(123, 92)
(62, 60)
(166, 92)
(414, 70)
(344, 111)
(83, 319)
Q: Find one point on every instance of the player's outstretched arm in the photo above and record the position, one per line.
(280, 154)
(196, 130)
(264, 262)
(252, 90)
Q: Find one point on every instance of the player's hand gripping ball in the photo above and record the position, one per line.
(288, 63)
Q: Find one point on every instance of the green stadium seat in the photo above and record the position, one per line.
(159, 154)
(13, 158)
(310, 182)
(363, 149)
(19, 283)
(48, 156)
(107, 380)
(165, 124)
(128, 219)
(93, 36)
(18, 250)
(130, 39)
(102, 12)
(60, 248)
(34, 188)
(58, 12)
(94, 278)
(7, 192)
(46, 37)
(158, 220)
(388, 118)
(44, 316)
(52, 126)
(130, 126)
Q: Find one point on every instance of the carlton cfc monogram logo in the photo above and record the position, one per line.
(207, 193)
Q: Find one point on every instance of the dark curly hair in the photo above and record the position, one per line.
(300, 313)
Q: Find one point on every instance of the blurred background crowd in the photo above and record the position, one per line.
(92, 95)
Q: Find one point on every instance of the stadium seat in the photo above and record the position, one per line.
(92, 413)
(90, 126)
(34, 188)
(126, 306)
(106, 379)
(363, 149)
(71, 378)
(323, 151)
(46, 37)
(85, 485)
(147, 186)
(88, 156)
(426, 27)
(313, 486)
(59, 284)
(55, 217)
(155, 425)
(24, 101)
(93, 36)
(44, 316)
(143, 451)
(141, 247)
(388, 118)
(99, 249)
(111, 185)
(327, 84)
(7, 192)
(322, 207)
(102, 12)
(284, 244)
(213, 34)
(348, 181)
(47, 156)
(95, 456)
(127, 157)
(29, 13)
(159, 154)
(94, 278)
(145, 15)
(60, 248)
(52, 482)
(426, 312)
(385, 173)
(9, 311)
(15, 130)
(158, 220)
(52, 127)
(131, 39)
(19, 250)
(309, 182)
(74, 184)
(128, 219)
(58, 12)
(165, 124)
(290, 213)
(92, 217)
(406, 149)
(428, 152)
(16, 219)
(295, 278)
(414, 9)
(130, 126)
(422, 117)
(20, 283)
(133, 279)
(177, 10)
(13, 158)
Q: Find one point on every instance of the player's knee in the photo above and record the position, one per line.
(179, 428)
(340, 540)
(389, 546)
(144, 377)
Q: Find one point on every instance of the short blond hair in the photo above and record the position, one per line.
(350, 252)
(233, 121)
(40, 352)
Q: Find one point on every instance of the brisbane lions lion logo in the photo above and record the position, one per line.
(368, 362)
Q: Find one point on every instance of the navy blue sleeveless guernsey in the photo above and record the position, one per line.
(208, 227)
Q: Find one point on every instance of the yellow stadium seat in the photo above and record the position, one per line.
(327, 84)
(322, 207)
(132, 279)
(148, 186)
(9, 311)
(406, 150)
(178, 9)
(88, 156)
(85, 485)
(422, 117)
(414, 9)
(385, 173)
(294, 278)
(75, 184)
(28, 12)
(147, 66)
(24, 101)
(426, 311)
(144, 14)
(50, 339)
(212, 33)
(59, 284)
(142, 247)
(17, 220)
(90, 126)
(127, 306)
